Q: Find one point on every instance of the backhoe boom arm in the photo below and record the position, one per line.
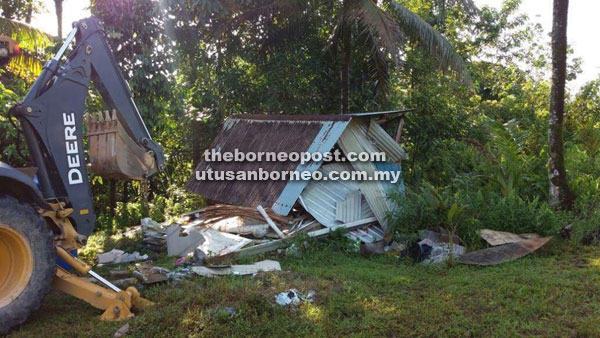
(51, 116)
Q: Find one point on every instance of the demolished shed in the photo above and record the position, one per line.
(330, 202)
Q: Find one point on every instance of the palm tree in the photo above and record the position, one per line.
(384, 26)
(32, 43)
(559, 192)
(387, 32)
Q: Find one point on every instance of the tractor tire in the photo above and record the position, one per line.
(27, 262)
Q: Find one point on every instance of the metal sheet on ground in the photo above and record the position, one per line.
(503, 253)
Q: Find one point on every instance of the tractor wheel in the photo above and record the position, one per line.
(27, 262)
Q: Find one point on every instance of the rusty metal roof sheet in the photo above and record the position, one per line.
(289, 118)
(267, 133)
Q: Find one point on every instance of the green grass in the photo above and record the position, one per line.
(553, 292)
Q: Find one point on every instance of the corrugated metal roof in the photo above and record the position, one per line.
(283, 117)
(397, 188)
(320, 199)
(323, 142)
(267, 133)
(303, 133)
(350, 209)
(355, 139)
(386, 143)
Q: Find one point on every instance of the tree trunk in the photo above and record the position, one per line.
(125, 196)
(442, 16)
(560, 194)
(58, 4)
(346, 52)
(29, 13)
(145, 192)
(112, 197)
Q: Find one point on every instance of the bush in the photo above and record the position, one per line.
(428, 206)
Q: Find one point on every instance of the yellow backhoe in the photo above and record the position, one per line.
(46, 212)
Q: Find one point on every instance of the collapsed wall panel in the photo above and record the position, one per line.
(355, 139)
(320, 199)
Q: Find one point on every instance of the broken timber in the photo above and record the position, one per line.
(274, 245)
(270, 221)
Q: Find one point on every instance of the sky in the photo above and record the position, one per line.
(582, 15)
(73, 10)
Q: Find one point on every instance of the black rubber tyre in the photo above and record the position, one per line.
(23, 219)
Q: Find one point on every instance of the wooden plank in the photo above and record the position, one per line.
(399, 130)
(348, 226)
(270, 221)
(500, 237)
(306, 227)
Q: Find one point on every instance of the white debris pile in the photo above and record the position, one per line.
(219, 243)
(116, 256)
(441, 252)
(293, 297)
(437, 245)
(180, 244)
(154, 235)
(240, 226)
(240, 270)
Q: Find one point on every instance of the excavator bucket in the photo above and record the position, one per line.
(113, 153)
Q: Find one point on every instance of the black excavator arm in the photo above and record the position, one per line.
(51, 117)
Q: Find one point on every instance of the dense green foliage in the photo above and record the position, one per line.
(478, 154)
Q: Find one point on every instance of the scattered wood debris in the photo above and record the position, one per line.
(213, 237)
(272, 224)
(238, 225)
(215, 213)
(150, 274)
(500, 237)
(154, 235)
(276, 244)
